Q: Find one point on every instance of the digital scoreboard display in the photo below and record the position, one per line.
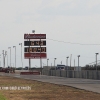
(35, 49)
(35, 43)
(35, 46)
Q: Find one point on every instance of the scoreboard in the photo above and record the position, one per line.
(35, 43)
(35, 49)
(35, 46)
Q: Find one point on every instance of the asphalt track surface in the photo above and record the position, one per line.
(86, 84)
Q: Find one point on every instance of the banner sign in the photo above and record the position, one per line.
(34, 36)
(35, 55)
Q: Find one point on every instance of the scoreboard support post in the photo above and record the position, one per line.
(29, 59)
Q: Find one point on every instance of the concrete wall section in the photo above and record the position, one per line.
(86, 74)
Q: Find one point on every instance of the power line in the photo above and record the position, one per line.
(94, 62)
(71, 42)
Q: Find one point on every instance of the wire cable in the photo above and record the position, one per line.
(71, 42)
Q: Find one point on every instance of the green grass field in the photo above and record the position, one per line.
(2, 97)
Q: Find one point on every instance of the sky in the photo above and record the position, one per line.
(67, 24)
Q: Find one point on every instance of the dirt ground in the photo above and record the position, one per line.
(42, 91)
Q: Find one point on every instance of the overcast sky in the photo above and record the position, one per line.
(71, 21)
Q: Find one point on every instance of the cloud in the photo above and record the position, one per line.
(65, 20)
(70, 8)
(93, 3)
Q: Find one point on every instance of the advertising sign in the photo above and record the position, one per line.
(34, 36)
(35, 55)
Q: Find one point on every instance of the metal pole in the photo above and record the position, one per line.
(3, 57)
(70, 60)
(96, 60)
(54, 63)
(47, 62)
(74, 64)
(7, 59)
(0, 60)
(40, 58)
(15, 55)
(10, 56)
(61, 62)
(78, 62)
(21, 54)
(29, 58)
(67, 62)
(4, 61)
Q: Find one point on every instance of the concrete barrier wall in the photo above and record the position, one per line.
(86, 74)
(63, 73)
(58, 73)
(99, 75)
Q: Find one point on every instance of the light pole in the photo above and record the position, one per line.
(96, 60)
(67, 62)
(0, 60)
(21, 54)
(51, 64)
(10, 55)
(7, 58)
(78, 61)
(74, 64)
(47, 63)
(15, 55)
(3, 57)
(70, 60)
(54, 63)
(61, 62)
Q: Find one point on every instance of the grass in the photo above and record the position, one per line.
(43, 91)
(2, 97)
